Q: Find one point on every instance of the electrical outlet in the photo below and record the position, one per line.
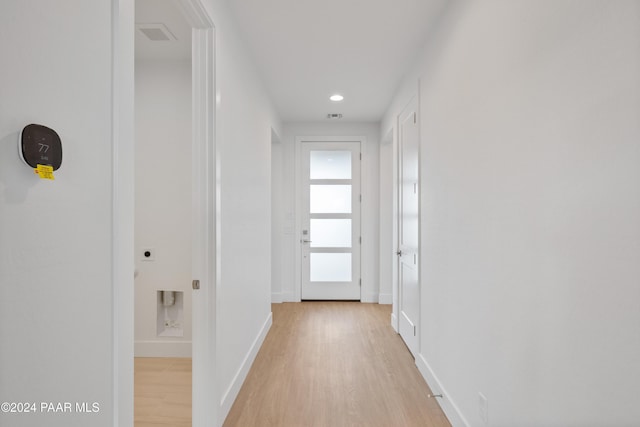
(148, 254)
(483, 408)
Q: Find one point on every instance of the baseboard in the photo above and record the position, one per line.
(394, 322)
(276, 297)
(369, 298)
(232, 392)
(289, 297)
(449, 407)
(162, 349)
(280, 297)
(385, 299)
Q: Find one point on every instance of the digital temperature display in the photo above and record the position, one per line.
(40, 145)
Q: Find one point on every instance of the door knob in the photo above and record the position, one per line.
(399, 253)
(306, 241)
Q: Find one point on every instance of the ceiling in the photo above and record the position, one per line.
(307, 50)
(149, 13)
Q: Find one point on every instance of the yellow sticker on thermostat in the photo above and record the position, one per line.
(44, 172)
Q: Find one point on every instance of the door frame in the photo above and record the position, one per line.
(206, 223)
(413, 104)
(388, 250)
(205, 256)
(122, 205)
(298, 200)
(332, 290)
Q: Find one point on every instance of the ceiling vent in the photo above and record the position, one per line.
(156, 32)
(334, 116)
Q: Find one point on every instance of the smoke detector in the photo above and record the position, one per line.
(156, 32)
(334, 116)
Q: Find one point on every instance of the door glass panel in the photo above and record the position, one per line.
(330, 233)
(330, 199)
(330, 165)
(330, 267)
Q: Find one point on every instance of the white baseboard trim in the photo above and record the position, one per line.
(394, 323)
(385, 299)
(288, 297)
(369, 298)
(162, 349)
(234, 388)
(276, 297)
(280, 297)
(449, 407)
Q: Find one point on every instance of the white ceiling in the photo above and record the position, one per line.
(164, 12)
(306, 50)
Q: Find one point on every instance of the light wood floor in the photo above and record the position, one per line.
(323, 364)
(333, 364)
(162, 392)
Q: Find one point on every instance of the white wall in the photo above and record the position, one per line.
(530, 206)
(285, 259)
(62, 280)
(58, 283)
(277, 222)
(388, 218)
(244, 123)
(163, 200)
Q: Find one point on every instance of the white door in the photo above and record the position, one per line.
(330, 235)
(408, 227)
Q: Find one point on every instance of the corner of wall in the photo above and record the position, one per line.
(386, 299)
(369, 298)
(232, 391)
(394, 322)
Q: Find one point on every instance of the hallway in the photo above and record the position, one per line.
(522, 120)
(334, 364)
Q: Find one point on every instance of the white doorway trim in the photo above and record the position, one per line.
(298, 192)
(345, 289)
(122, 205)
(389, 220)
(205, 220)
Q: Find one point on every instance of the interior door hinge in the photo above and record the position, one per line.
(360, 156)
(360, 283)
(360, 239)
(360, 197)
(415, 117)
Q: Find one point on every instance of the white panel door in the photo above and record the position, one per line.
(330, 235)
(408, 227)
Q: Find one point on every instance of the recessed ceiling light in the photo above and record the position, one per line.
(336, 98)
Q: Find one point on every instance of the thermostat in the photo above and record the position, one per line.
(40, 145)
